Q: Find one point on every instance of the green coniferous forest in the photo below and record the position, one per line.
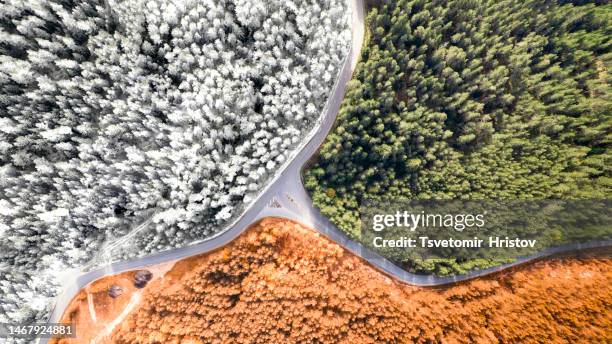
(460, 99)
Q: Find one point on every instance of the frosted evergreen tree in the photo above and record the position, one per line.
(114, 111)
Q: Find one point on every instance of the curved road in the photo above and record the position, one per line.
(286, 197)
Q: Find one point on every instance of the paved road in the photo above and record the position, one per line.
(285, 197)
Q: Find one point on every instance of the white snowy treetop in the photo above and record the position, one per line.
(111, 110)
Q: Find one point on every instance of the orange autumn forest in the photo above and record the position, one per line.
(282, 282)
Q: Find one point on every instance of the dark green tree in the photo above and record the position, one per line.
(472, 99)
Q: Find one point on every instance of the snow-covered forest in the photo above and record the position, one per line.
(115, 110)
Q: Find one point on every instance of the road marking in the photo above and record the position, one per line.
(274, 203)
